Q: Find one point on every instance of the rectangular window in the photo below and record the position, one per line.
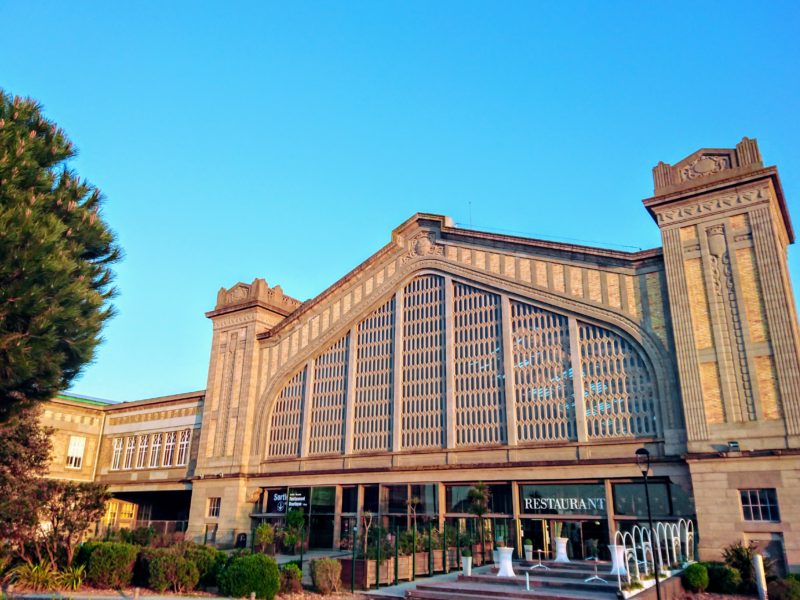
(155, 449)
(130, 446)
(141, 455)
(183, 447)
(126, 511)
(111, 513)
(213, 507)
(116, 461)
(169, 450)
(75, 452)
(760, 505)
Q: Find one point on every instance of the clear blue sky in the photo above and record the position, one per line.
(236, 140)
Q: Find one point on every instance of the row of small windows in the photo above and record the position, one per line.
(151, 450)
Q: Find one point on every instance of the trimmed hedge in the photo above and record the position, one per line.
(723, 579)
(696, 577)
(168, 569)
(111, 565)
(207, 559)
(250, 573)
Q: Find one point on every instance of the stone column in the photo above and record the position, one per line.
(577, 380)
(349, 407)
(305, 424)
(397, 395)
(508, 369)
(450, 359)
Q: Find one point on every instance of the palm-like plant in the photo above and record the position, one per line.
(479, 496)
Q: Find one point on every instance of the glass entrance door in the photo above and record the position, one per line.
(586, 539)
(536, 531)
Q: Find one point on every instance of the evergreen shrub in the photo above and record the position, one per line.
(111, 565)
(696, 577)
(250, 573)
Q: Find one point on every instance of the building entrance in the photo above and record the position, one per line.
(586, 539)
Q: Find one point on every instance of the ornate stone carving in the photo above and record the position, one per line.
(686, 212)
(256, 291)
(423, 244)
(725, 293)
(707, 164)
(704, 166)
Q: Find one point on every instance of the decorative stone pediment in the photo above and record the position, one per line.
(257, 291)
(707, 165)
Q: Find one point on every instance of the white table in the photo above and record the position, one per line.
(561, 550)
(618, 566)
(506, 569)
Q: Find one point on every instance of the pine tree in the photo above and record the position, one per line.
(55, 258)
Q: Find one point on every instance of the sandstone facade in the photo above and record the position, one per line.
(454, 356)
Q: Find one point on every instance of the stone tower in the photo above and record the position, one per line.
(725, 230)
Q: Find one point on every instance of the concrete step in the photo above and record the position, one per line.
(557, 570)
(470, 590)
(538, 581)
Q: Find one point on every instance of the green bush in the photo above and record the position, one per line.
(784, 589)
(723, 579)
(111, 565)
(141, 536)
(696, 577)
(326, 573)
(206, 559)
(141, 568)
(41, 577)
(169, 569)
(740, 557)
(85, 551)
(251, 573)
(291, 579)
(265, 535)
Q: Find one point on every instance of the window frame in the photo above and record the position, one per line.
(130, 449)
(214, 507)
(143, 442)
(75, 461)
(182, 455)
(116, 458)
(763, 500)
(155, 450)
(169, 449)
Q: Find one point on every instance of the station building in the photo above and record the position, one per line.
(453, 356)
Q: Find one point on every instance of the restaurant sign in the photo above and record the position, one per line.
(567, 499)
(281, 500)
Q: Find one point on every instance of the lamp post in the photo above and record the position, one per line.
(643, 460)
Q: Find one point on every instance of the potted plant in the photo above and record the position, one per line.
(496, 551)
(479, 496)
(466, 561)
(527, 545)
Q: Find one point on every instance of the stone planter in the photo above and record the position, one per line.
(466, 565)
(528, 553)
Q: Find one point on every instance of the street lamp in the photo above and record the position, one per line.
(643, 460)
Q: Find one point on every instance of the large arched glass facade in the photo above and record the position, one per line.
(467, 356)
